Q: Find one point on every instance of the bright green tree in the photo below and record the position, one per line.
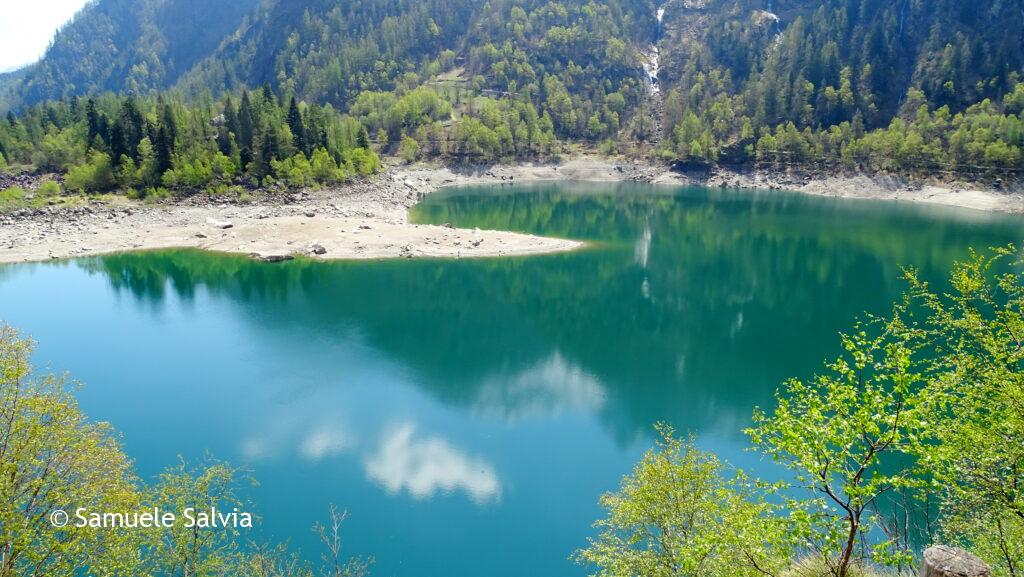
(52, 457)
(409, 149)
(682, 512)
(196, 552)
(975, 402)
(94, 176)
(842, 434)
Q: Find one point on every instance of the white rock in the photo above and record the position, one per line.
(222, 224)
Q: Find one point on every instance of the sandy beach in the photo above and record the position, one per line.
(369, 219)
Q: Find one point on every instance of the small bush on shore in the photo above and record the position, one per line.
(49, 188)
(684, 512)
(12, 197)
(157, 194)
(97, 175)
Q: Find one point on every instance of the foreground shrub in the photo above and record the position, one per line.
(681, 512)
(52, 455)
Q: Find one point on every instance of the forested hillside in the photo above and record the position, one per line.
(128, 45)
(576, 60)
(330, 51)
(879, 85)
(850, 64)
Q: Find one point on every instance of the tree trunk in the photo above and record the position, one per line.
(944, 561)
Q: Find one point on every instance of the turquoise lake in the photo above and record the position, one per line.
(469, 413)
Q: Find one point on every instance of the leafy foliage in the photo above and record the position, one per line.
(52, 456)
(923, 407)
(975, 446)
(678, 514)
(838, 435)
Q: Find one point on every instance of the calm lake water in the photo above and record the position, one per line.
(469, 413)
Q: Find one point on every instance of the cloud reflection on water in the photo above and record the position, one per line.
(325, 441)
(286, 436)
(545, 389)
(425, 466)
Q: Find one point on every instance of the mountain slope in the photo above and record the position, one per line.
(329, 51)
(128, 45)
(577, 59)
(819, 63)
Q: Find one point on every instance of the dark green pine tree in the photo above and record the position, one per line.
(246, 131)
(363, 138)
(268, 95)
(230, 116)
(127, 132)
(261, 163)
(117, 146)
(224, 140)
(96, 122)
(164, 149)
(316, 129)
(168, 122)
(297, 127)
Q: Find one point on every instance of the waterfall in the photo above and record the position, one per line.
(652, 64)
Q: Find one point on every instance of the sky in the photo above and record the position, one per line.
(27, 26)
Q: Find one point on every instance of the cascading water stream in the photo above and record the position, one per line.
(652, 64)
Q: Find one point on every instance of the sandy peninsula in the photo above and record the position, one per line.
(366, 220)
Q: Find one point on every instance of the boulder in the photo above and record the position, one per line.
(221, 224)
(271, 257)
(945, 561)
(317, 248)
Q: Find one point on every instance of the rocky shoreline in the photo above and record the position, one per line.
(1007, 197)
(369, 218)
